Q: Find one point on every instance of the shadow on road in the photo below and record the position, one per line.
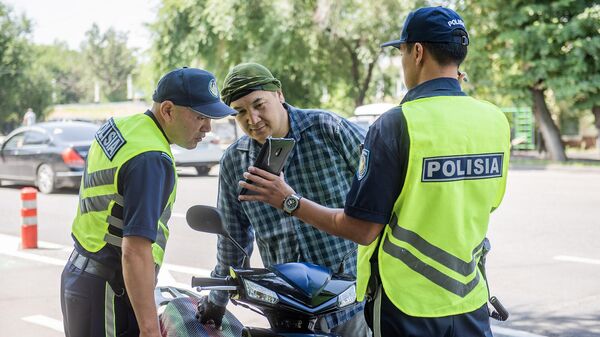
(555, 325)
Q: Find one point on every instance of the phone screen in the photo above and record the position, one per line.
(272, 156)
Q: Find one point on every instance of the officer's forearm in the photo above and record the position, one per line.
(138, 272)
(334, 221)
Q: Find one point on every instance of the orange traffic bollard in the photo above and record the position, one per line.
(29, 218)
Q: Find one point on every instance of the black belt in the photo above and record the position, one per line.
(90, 266)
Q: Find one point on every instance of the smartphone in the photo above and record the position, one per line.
(272, 157)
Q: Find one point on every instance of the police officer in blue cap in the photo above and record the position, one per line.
(125, 201)
(431, 172)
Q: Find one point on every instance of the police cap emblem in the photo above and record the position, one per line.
(212, 87)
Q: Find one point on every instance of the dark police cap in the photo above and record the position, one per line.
(434, 25)
(193, 88)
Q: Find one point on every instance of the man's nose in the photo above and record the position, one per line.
(206, 126)
(254, 117)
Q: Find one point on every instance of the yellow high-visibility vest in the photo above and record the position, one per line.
(116, 142)
(428, 254)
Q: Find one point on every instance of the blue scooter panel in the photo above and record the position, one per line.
(306, 277)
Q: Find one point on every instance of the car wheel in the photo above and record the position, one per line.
(202, 170)
(46, 179)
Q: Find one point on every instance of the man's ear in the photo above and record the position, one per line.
(418, 49)
(166, 110)
(280, 96)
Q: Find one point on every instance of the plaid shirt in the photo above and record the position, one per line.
(321, 167)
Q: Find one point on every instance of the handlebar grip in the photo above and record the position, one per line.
(211, 282)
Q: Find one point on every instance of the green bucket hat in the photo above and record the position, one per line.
(246, 78)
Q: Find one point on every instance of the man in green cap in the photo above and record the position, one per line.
(321, 166)
(432, 170)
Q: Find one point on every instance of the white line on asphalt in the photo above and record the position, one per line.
(12, 242)
(512, 332)
(178, 215)
(9, 245)
(34, 257)
(45, 321)
(187, 270)
(576, 259)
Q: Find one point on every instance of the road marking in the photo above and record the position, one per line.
(12, 242)
(34, 257)
(45, 321)
(9, 245)
(576, 259)
(512, 332)
(178, 215)
(187, 270)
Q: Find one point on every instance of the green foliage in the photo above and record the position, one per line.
(14, 57)
(518, 45)
(579, 41)
(65, 69)
(110, 59)
(313, 47)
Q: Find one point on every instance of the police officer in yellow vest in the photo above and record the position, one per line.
(432, 170)
(125, 201)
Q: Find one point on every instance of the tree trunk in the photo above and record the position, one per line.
(549, 130)
(362, 91)
(596, 112)
(355, 69)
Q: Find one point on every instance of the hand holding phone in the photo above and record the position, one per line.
(272, 157)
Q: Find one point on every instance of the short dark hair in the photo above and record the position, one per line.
(444, 53)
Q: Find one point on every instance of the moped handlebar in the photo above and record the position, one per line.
(212, 283)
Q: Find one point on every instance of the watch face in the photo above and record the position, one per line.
(290, 204)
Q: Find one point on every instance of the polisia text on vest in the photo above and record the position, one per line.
(462, 167)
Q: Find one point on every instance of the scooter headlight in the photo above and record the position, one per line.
(347, 297)
(260, 293)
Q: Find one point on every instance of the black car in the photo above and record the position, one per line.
(49, 155)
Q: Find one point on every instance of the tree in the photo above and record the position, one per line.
(523, 49)
(21, 83)
(579, 38)
(311, 46)
(66, 70)
(110, 59)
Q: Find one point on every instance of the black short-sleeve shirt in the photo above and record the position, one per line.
(384, 157)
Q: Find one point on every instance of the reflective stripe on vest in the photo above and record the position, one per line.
(99, 203)
(456, 174)
(99, 191)
(442, 257)
(99, 178)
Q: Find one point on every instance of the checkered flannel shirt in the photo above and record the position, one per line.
(321, 167)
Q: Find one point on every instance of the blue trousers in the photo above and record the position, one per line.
(385, 319)
(91, 308)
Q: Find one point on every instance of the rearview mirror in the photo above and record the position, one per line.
(206, 219)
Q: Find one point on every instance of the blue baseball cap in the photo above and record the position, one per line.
(193, 88)
(434, 25)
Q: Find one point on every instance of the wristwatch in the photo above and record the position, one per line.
(291, 203)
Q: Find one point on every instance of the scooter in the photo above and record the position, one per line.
(292, 296)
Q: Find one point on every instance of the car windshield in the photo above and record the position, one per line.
(75, 133)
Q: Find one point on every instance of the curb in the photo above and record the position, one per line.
(555, 167)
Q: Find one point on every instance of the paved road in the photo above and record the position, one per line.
(544, 265)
